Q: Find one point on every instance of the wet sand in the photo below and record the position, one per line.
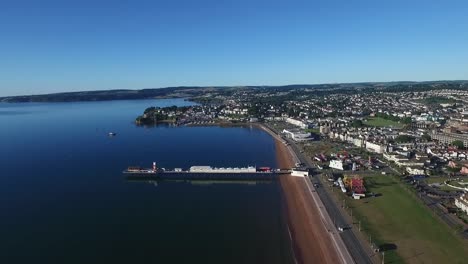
(311, 240)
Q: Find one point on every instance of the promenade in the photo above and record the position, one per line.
(315, 238)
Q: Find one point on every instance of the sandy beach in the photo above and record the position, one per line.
(311, 240)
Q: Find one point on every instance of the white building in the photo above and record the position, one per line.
(297, 135)
(300, 172)
(336, 164)
(415, 171)
(394, 157)
(296, 122)
(409, 163)
(375, 147)
(358, 142)
(324, 130)
(403, 161)
(462, 202)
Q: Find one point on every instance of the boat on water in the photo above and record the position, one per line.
(112, 134)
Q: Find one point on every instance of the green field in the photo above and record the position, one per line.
(410, 231)
(313, 130)
(433, 179)
(442, 181)
(381, 122)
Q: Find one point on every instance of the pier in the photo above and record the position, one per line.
(205, 173)
(228, 176)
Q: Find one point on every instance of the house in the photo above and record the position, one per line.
(452, 164)
(415, 171)
(464, 170)
(462, 202)
(375, 147)
(336, 164)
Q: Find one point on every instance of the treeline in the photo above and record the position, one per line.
(153, 115)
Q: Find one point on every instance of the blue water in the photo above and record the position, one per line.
(64, 200)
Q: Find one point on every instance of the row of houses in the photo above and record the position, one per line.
(391, 153)
(462, 202)
(449, 138)
(359, 141)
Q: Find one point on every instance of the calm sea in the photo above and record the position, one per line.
(63, 198)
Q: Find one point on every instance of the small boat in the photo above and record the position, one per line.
(112, 134)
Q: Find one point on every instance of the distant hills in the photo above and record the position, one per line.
(107, 95)
(189, 92)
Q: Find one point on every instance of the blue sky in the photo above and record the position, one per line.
(56, 46)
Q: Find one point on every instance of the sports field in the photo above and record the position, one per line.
(405, 226)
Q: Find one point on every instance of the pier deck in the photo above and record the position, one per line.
(206, 176)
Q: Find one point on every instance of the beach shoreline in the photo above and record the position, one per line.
(310, 238)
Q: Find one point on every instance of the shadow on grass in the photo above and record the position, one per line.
(388, 247)
(380, 184)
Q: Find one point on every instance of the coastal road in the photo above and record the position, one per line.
(355, 248)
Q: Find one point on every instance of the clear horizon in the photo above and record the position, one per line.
(51, 46)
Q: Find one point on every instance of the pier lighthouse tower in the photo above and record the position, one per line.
(154, 166)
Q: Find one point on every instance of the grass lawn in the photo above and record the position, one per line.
(317, 147)
(441, 180)
(313, 130)
(380, 122)
(433, 179)
(402, 223)
(448, 188)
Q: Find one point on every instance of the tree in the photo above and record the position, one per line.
(455, 169)
(458, 144)
(357, 123)
(406, 120)
(404, 139)
(254, 110)
(426, 137)
(291, 112)
(150, 109)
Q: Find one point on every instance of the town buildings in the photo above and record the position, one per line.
(462, 202)
(298, 135)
